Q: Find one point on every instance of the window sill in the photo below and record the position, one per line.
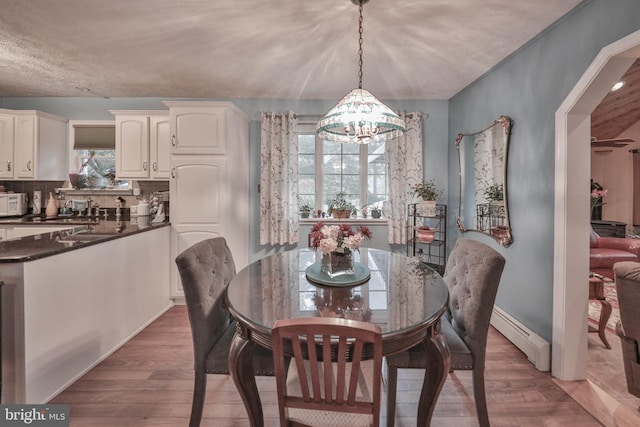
(359, 220)
(95, 191)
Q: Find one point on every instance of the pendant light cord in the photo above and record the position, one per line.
(360, 47)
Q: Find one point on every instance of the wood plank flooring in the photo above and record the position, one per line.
(148, 382)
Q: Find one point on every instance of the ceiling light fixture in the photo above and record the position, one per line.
(360, 118)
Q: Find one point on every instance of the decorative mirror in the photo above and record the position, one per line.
(482, 159)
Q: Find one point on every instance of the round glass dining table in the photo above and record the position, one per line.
(403, 296)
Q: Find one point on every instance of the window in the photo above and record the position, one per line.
(93, 155)
(99, 170)
(326, 168)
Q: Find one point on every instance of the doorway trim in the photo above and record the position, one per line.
(571, 213)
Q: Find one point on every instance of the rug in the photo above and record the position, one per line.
(611, 295)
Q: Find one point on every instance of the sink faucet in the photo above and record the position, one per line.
(88, 207)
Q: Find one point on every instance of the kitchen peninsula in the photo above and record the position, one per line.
(72, 297)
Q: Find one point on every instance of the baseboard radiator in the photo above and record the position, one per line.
(537, 350)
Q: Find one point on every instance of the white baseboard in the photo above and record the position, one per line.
(537, 350)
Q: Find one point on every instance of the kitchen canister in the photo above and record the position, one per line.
(143, 208)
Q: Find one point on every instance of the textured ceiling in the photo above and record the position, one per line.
(294, 49)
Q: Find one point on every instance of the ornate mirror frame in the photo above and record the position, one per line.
(482, 162)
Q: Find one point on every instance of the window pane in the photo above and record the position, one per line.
(307, 164)
(331, 185)
(306, 144)
(351, 164)
(375, 147)
(329, 147)
(306, 184)
(331, 164)
(351, 148)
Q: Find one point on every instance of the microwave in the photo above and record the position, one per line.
(13, 204)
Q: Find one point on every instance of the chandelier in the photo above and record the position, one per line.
(359, 117)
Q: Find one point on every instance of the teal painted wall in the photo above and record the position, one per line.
(529, 86)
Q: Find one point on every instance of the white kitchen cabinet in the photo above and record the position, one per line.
(160, 147)
(7, 142)
(142, 144)
(200, 129)
(209, 185)
(40, 147)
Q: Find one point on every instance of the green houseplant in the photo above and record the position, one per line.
(340, 207)
(427, 190)
(305, 209)
(494, 192)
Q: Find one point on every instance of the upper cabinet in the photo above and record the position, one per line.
(142, 144)
(33, 145)
(200, 129)
(7, 141)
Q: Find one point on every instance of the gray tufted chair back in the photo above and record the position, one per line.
(205, 269)
(472, 276)
(627, 278)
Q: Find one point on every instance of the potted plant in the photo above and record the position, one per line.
(494, 193)
(428, 192)
(305, 209)
(340, 207)
(374, 210)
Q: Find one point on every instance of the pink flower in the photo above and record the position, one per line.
(332, 238)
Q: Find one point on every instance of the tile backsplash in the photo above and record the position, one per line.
(104, 200)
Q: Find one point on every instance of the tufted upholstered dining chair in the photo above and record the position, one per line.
(205, 269)
(472, 275)
(328, 384)
(627, 279)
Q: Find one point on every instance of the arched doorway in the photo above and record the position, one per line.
(571, 213)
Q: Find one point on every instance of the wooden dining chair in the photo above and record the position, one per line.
(205, 270)
(328, 383)
(472, 275)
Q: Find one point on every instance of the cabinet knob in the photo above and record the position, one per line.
(155, 166)
(173, 140)
(29, 165)
(144, 166)
(9, 165)
(173, 172)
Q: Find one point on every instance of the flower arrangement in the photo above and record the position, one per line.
(338, 238)
(596, 198)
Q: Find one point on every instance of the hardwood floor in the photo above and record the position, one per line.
(148, 382)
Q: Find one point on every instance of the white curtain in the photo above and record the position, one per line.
(279, 223)
(404, 168)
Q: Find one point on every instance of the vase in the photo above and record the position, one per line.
(52, 207)
(337, 263)
(425, 234)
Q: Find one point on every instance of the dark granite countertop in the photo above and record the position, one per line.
(82, 232)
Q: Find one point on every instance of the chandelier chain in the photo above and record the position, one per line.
(360, 31)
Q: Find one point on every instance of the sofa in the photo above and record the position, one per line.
(606, 251)
(628, 327)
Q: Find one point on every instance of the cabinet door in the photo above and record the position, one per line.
(132, 147)
(198, 190)
(160, 147)
(198, 130)
(26, 137)
(7, 141)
